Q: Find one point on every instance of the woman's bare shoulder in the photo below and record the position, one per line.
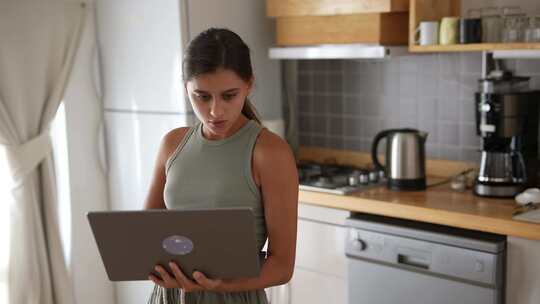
(270, 148)
(171, 140)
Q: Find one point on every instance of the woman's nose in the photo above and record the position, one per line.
(216, 108)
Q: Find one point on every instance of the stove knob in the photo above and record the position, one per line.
(359, 245)
(363, 178)
(353, 180)
(373, 176)
(382, 175)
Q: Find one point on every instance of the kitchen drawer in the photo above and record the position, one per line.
(320, 247)
(282, 8)
(386, 28)
(315, 288)
(323, 214)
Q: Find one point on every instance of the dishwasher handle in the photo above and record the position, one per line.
(415, 258)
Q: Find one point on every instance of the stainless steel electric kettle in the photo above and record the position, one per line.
(405, 158)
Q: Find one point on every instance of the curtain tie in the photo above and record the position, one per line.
(23, 159)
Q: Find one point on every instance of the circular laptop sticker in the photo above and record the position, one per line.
(178, 245)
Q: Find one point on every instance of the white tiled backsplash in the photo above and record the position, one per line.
(344, 103)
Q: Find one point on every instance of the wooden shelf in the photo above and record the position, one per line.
(478, 47)
(434, 10)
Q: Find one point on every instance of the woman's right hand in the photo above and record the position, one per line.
(179, 280)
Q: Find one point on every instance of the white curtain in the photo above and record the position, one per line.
(38, 42)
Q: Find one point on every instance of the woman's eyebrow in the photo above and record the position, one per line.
(233, 90)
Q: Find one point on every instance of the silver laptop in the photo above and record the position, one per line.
(220, 243)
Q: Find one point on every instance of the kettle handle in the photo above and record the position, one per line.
(375, 146)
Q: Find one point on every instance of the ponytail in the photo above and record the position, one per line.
(250, 112)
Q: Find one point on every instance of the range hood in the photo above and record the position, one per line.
(516, 54)
(337, 51)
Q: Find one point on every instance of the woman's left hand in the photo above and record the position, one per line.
(181, 281)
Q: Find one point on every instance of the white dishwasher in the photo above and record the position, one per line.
(398, 261)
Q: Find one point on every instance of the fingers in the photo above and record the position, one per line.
(187, 284)
(207, 283)
(166, 280)
(157, 281)
(181, 281)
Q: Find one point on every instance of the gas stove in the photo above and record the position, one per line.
(338, 179)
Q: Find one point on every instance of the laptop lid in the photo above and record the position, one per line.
(220, 243)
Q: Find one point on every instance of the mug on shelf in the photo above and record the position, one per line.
(427, 33)
(470, 27)
(449, 32)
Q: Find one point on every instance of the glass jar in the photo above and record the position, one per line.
(514, 24)
(491, 24)
(515, 28)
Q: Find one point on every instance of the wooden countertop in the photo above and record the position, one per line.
(438, 204)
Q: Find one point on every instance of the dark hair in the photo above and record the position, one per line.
(218, 48)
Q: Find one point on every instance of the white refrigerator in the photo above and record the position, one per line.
(140, 55)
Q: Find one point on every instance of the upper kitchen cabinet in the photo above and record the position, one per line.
(435, 10)
(287, 8)
(385, 29)
(316, 22)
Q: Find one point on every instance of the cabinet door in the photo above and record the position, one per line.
(321, 247)
(320, 275)
(317, 288)
(523, 271)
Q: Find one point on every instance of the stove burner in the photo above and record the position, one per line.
(336, 178)
(324, 182)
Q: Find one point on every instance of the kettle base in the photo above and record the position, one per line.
(407, 184)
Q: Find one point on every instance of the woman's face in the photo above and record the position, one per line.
(217, 99)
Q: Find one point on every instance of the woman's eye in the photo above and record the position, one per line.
(203, 97)
(229, 96)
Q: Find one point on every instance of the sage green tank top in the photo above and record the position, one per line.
(204, 173)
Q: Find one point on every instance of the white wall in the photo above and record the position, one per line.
(88, 184)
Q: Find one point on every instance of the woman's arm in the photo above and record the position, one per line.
(154, 199)
(275, 167)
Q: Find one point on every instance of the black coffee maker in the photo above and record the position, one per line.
(507, 122)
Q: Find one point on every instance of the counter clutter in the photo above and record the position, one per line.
(439, 204)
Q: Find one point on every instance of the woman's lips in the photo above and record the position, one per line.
(218, 124)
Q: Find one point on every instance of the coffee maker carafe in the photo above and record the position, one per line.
(507, 123)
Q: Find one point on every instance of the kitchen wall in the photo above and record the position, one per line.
(342, 104)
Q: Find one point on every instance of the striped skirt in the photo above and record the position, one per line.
(162, 295)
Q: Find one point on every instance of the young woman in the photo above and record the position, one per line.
(227, 160)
